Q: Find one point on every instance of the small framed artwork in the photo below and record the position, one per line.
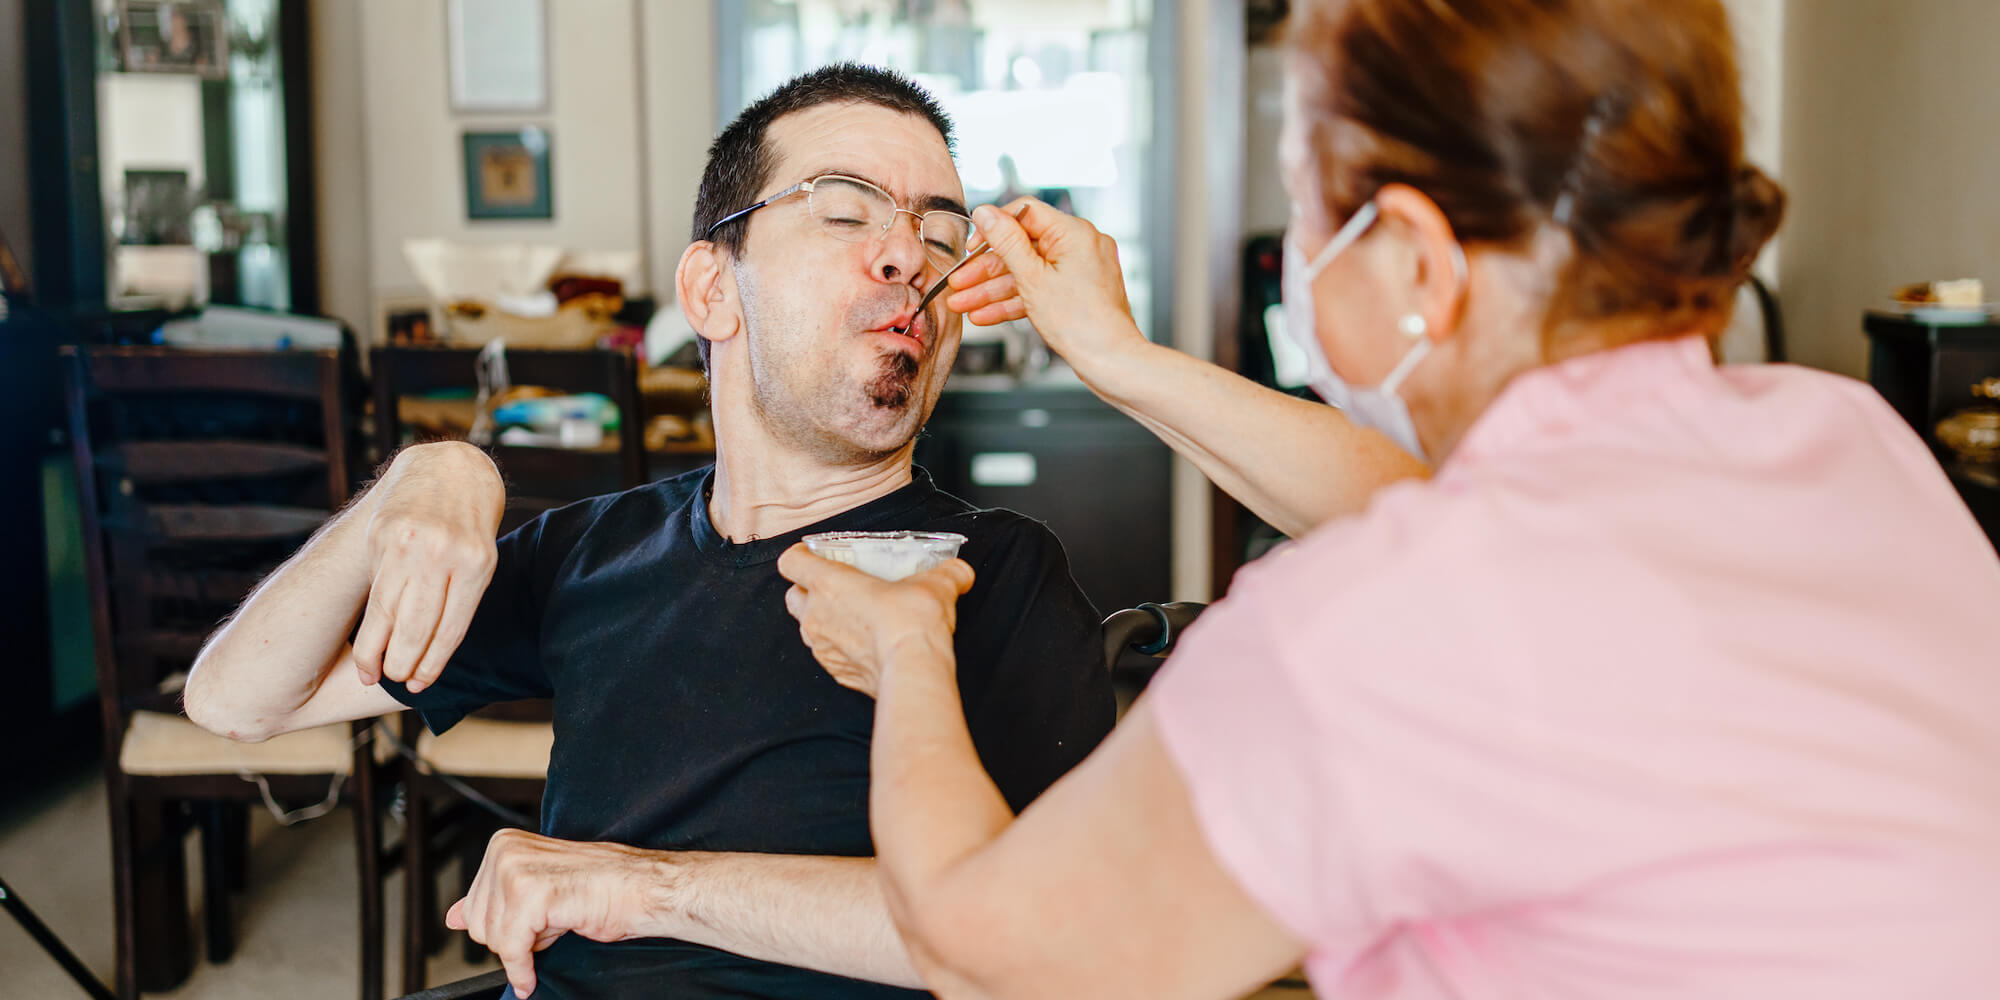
(159, 208)
(507, 175)
(405, 318)
(174, 36)
(498, 55)
(410, 326)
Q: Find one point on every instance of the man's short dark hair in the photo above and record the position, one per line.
(741, 160)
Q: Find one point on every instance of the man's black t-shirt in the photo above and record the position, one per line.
(690, 716)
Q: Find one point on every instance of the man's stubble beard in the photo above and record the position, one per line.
(808, 411)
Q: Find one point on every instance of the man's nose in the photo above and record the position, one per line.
(899, 253)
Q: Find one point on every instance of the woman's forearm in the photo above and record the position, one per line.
(931, 804)
(1295, 463)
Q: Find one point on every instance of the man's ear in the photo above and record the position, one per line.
(706, 288)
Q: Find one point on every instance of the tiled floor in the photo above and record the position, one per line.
(295, 928)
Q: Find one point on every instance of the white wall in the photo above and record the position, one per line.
(1760, 43)
(677, 63)
(340, 168)
(1198, 186)
(414, 170)
(1890, 142)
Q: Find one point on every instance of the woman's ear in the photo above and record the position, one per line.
(1432, 259)
(706, 288)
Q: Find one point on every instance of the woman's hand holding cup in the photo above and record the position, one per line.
(859, 626)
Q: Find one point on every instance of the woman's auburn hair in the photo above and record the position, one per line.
(1617, 121)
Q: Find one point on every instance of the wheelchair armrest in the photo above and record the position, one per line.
(487, 987)
(1148, 632)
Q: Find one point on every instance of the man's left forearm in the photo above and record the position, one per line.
(821, 913)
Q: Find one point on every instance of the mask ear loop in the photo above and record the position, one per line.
(1417, 353)
(1421, 333)
(1355, 228)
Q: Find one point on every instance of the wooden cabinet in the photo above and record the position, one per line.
(1926, 371)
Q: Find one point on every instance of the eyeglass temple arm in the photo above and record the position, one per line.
(733, 216)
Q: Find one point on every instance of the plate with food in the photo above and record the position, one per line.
(1962, 301)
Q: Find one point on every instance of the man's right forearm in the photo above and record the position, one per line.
(821, 913)
(271, 656)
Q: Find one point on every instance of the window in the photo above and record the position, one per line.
(1056, 98)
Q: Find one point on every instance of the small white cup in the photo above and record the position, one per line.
(889, 555)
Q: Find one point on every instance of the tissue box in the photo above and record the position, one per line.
(576, 324)
(510, 291)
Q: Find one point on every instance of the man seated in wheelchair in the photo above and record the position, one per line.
(705, 826)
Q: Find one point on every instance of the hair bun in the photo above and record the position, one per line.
(1757, 207)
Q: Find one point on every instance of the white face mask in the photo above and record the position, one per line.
(1378, 407)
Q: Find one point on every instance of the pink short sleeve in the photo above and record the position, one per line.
(1247, 746)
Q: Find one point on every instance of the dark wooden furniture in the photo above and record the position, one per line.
(52, 708)
(537, 478)
(198, 472)
(1927, 371)
(486, 773)
(1102, 482)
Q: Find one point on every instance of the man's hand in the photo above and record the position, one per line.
(431, 522)
(532, 889)
(856, 625)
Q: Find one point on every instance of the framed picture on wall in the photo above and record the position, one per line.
(507, 175)
(404, 317)
(410, 325)
(499, 55)
(173, 36)
(159, 209)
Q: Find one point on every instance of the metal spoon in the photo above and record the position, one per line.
(925, 302)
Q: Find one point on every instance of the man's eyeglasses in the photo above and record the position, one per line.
(852, 210)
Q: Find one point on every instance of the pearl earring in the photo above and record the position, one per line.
(1414, 325)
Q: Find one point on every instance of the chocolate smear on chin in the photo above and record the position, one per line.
(891, 390)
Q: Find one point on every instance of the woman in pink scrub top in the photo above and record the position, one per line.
(1671, 681)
